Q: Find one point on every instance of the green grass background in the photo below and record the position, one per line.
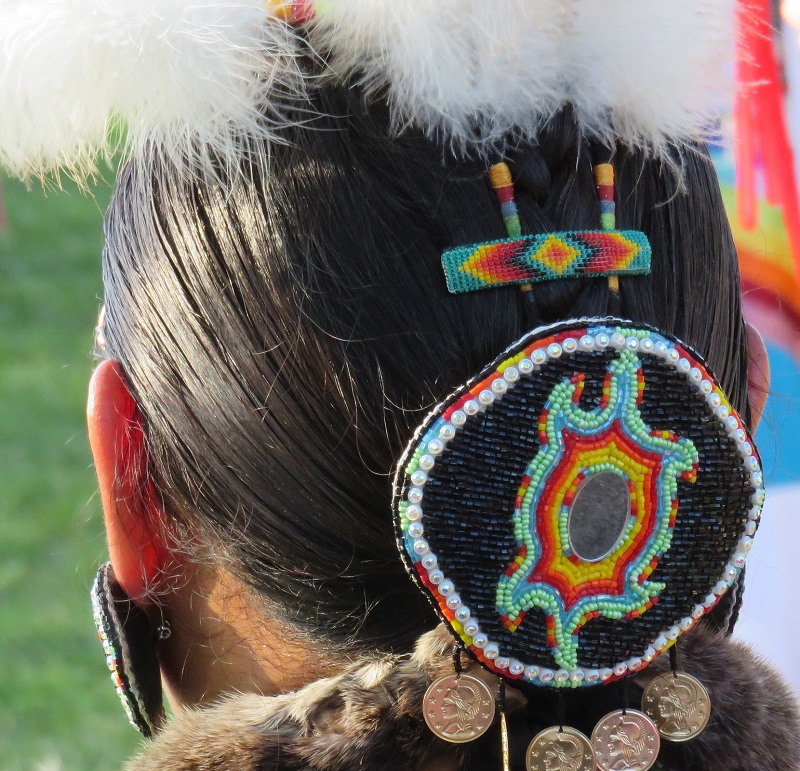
(58, 709)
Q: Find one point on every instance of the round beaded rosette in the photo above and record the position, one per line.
(580, 504)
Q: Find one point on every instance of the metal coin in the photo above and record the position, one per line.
(560, 749)
(679, 705)
(625, 740)
(458, 708)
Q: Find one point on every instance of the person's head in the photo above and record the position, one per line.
(277, 329)
(281, 339)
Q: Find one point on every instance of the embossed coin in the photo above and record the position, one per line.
(625, 740)
(458, 708)
(679, 705)
(560, 749)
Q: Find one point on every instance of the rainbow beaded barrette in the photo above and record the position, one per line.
(546, 256)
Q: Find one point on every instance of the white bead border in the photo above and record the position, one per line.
(445, 431)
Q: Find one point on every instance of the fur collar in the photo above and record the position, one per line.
(369, 717)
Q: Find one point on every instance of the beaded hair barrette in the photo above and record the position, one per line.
(579, 504)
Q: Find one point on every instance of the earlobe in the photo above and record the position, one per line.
(134, 525)
(758, 374)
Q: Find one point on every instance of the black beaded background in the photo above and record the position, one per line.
(469, 501)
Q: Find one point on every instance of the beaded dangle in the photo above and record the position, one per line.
(604, 182)
(500, 178)
(503, 186)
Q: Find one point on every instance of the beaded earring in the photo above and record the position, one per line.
(578, 505)
(129, 644)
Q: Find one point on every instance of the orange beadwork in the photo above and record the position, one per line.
(500, 177)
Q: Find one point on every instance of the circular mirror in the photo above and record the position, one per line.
(598, 515)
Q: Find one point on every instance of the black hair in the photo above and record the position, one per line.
(284, 334)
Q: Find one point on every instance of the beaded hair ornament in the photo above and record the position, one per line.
(593, 458)
(588, 496)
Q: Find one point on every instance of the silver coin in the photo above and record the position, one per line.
(679, 705)
(458, 708)
(625, 740)
(560, 749)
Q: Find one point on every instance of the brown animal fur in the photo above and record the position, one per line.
(369, 718)
(754, 718)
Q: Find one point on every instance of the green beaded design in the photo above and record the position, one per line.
(575, 445)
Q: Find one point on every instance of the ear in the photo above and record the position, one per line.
(134, 523)
(757, 375)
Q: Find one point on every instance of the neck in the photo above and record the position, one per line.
(222, 643)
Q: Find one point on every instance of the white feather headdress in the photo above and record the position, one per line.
(194, 74)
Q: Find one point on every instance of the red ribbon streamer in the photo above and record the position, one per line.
(762, 137)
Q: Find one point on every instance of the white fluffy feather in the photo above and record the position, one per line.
(645, 72)
(169, 69)
(641, 71)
